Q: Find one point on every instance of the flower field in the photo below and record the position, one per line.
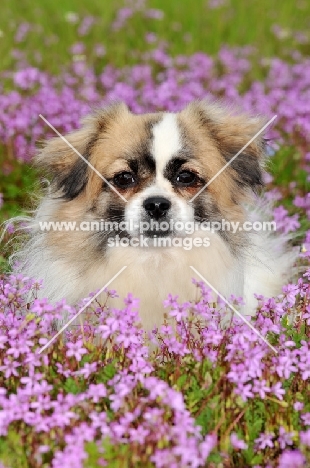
(192, 395)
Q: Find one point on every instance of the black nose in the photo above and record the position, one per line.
(156, 207)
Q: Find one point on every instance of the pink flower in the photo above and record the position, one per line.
(208, 444)
(261, 388)
(131, 302)
(76, 350)
(292, 459)
(245, 391)
(306, 419)
(77, 48)
(96, 392)
(88, 369)
(264, 440)
(278, 391)
(10, 368)
(171, 301)
(285, 438)
(298, 406)
(237, 443)
(305, 438)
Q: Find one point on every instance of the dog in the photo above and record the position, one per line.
(156, 167)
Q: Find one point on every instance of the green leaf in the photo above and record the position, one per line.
(71, 386)
(106, 373)
(12, 453)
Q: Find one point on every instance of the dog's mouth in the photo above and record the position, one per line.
(157, 233)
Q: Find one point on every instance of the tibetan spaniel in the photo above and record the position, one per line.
(125, 189)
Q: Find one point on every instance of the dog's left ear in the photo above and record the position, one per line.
(232, 130)
(60, 157)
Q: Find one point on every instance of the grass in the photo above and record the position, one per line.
(188, 27)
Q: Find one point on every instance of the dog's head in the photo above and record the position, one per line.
(156, 166)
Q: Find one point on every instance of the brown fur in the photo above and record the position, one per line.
(204, 137)
(110, 137)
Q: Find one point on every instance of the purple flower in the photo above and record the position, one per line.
(298, 406)
(66, 372)
(99, 421)
(290, 292)
(96, 392)
(123, 15)
(261, 388)
(76, 350)
(10, 368)
(283, 221)
(131, 302)
(77, 48)
(138, 435)
(85, 25)
(19, 346)
(110, 326)
(245, 391)
(286, 364)
(264, 440)
(180, 312)
(292, 459)
(277, 390)
(99, 50)
(306, 419)
(305, 438)
(237, 443)
(154, 14)
(150, 37)
(88, 369)
(285, 438)
(171, 301)
(207, 445)
(304, 364)
(214, 4)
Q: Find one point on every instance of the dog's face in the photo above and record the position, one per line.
(158, 163)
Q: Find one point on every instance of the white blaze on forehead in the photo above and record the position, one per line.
(166, 141)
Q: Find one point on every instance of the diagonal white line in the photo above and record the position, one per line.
(235, 310)
(81, 310)
(232, 159)
(82, 157)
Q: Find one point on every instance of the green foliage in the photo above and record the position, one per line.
(185, 27)
(12, 451)
(117, 456)
(188, 27)
(71, 386)
(107, 373)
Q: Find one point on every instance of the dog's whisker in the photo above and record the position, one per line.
(163, 167)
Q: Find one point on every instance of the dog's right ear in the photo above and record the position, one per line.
(60, 156)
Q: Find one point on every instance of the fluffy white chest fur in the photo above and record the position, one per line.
(152, 273)
(154, 167)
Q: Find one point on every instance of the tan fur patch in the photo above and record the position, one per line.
(112, 136)
(213, 131)
(113, 148)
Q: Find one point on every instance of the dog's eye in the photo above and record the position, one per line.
(124, 179)
(185, 178)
